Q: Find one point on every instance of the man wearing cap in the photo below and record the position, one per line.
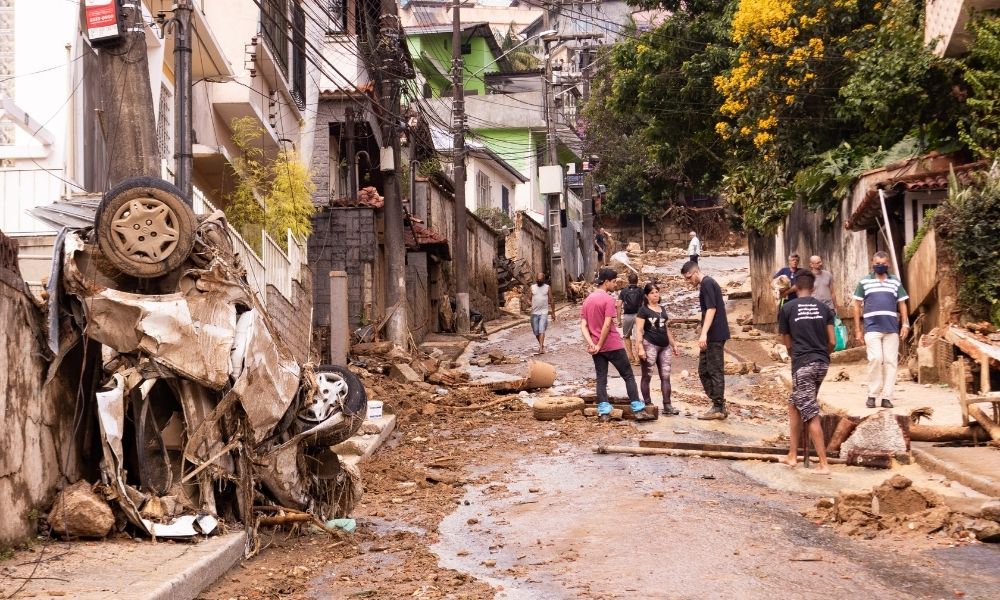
(694, 247)
(605, 345)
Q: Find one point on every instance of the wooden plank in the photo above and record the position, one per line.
(707, 447)
(991, 428)
(963, 395)
(696, 453)
(970, 345)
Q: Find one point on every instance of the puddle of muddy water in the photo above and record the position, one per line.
(585, 526)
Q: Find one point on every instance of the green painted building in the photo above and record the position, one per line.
(430, 47)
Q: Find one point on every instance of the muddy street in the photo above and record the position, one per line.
(492, 503)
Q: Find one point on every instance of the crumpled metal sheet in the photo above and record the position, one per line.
(190, 335)
(266, 379)
(111, 417)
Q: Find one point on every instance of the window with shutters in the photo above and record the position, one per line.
(482, 189)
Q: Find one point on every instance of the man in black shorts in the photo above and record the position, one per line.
(806, 327)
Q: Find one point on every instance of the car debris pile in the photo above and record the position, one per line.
(201, 413)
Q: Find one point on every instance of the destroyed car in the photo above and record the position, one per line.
(201, 411)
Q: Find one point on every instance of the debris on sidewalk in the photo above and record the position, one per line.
(876, 440)
(898, 507)
(79, 512)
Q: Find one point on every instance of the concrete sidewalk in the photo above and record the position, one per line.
(126, 570)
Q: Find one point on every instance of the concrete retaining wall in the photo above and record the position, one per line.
(36, 421)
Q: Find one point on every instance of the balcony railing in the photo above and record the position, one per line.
(273, 266)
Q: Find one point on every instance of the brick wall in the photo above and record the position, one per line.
(292, 317)
(345, 239)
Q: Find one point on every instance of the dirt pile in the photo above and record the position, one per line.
(897, 507)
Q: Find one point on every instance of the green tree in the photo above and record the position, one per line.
(980, 129)
(653, 107)
(273, 196)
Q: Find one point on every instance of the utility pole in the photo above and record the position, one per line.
(460, 263)
(127, 110)
(395, 248)
(553, 221)
(183, 143)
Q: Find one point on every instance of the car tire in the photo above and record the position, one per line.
(551, 408)
(145, 228)
(341, 391)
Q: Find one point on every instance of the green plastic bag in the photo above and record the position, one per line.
(840, 333)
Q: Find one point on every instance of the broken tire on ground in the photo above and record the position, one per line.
(338, 390)
(556, 407)
(145, 228)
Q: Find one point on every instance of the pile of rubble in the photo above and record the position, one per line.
(896, 506)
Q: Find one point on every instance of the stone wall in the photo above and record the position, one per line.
(37, 455)
(659, 235)
(344, 239)
(292, 319)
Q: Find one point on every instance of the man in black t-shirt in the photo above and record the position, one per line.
(711, 340)
(806, 327)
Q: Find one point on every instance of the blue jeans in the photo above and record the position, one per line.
(539, 323)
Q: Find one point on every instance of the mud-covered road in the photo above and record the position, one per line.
(494, 504)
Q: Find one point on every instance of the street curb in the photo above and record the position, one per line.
(932, 463)
(189, 583)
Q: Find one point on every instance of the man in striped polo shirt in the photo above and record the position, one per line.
(881, 299)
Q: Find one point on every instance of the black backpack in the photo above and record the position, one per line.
(631, 300)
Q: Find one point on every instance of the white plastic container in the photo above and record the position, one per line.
(374, 409)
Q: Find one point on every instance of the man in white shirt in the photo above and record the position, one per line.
(694, 247)
(542, 307)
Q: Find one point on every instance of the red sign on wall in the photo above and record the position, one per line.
(103, 21)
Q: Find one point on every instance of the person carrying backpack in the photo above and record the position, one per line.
(630, 299)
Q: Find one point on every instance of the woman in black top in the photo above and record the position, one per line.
(654, 345)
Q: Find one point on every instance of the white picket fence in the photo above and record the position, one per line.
(273, 266)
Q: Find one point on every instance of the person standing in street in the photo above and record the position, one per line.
(600, 244)
(694, 247)
(542, 307)
(823, 287)
(711, 339)
(881, 300)
(806, 328)
(791, 272)
(606, 347)
(630, 299)
(654, 345)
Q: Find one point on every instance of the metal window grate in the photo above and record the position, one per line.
(165, 124)
(274, 24)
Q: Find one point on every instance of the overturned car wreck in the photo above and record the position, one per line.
(202, 415)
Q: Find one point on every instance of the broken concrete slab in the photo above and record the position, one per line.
(404, 373)
(878, 433)
(373, 433)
